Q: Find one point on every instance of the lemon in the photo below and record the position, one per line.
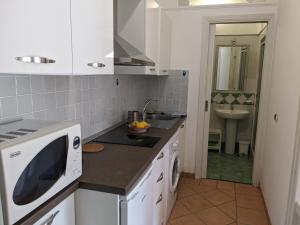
(140, 125)
(134, 123)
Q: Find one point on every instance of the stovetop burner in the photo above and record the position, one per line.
(128, 139)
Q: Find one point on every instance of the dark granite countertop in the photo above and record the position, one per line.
(114, 170)
(118, 167)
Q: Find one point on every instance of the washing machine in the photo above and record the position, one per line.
(173, 173)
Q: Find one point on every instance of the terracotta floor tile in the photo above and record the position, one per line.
(208, 182)
(210, 202)
(226, 185)
(251, 217)
(195, 203)
(205, 185)
(179, 210)
(245, 189)
(185, 191)
(229, 209)
(214, 216)
(250, 202)
(187, 220)
(190, 180)
(217, 197)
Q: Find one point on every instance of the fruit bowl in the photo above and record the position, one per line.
(135, 129)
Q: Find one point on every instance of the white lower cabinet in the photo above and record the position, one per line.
(159, 199)
(62, 214)
(146, 204)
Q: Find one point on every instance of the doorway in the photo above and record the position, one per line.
(237, 51)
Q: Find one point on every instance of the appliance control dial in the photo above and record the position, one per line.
(76, 142)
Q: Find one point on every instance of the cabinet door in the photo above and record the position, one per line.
(92, 36)
(35, 37)
(62, 214)
(158, 188)
(138, 208)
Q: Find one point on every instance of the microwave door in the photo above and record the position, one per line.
(44, 170)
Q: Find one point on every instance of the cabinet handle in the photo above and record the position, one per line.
(133, 196)
(35, 59)
(51, 219)
(161, 177)
(159, 199)
(96, 65)
(162, 155)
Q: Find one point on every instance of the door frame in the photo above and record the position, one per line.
(206, 71)
(292, 209)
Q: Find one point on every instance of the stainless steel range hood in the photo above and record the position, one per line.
(125, 54)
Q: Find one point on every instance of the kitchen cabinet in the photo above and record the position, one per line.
(58, 37)
(159, 196)
(62, 214)
(134, 209)
(92, 36)
(181, 138)
(35, 37)
(158, 36)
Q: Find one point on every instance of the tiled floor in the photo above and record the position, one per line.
(234, 168)
(211, 202)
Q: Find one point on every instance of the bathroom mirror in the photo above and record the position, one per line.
(230, 68)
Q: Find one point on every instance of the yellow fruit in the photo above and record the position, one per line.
(140, 125)
(145, 123)
(134, 123)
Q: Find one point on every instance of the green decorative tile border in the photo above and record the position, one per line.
(236, 98)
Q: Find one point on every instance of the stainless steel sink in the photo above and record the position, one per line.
(162, 121)
(160, 117)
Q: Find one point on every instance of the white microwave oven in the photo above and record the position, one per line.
(37, 160)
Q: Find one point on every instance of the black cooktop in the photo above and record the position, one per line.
(128, 139)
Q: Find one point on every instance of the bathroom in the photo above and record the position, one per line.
(235, 94)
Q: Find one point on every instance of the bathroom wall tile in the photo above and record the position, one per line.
(24, 104)
(7, 86)
(9, 107)
(237, 98)
(23, 85)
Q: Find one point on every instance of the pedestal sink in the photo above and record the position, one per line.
(232, 117)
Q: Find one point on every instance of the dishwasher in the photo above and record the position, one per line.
(136, 208)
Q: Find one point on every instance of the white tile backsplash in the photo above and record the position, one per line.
(7, 86)
(94, 101)
(9, 106)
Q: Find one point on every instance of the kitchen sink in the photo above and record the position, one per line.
(160, 117)
(162, 121)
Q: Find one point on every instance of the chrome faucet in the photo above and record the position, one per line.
(145, 106)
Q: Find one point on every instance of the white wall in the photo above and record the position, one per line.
(239, 29)
(284, 101)
(187, 24)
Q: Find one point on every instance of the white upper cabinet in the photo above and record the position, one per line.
(158, 37)
(92, 36)
(35, 37)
